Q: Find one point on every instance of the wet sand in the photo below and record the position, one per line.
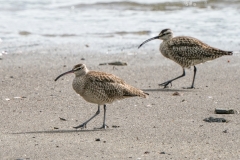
(162, 126)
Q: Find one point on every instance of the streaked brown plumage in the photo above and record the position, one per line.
(186, 51)
(100, 88)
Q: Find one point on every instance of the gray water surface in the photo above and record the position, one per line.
(115, 23)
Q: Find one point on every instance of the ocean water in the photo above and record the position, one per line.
(116, 24)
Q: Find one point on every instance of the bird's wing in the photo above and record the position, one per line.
(103, 77)
(108, 85)
(192, 48)
(112, 85)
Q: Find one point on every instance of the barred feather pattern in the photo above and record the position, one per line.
(101, 88)
(189, 51)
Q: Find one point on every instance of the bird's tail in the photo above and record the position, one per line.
(140, 94)
(229, 52)
(143, 95)
(132, 91)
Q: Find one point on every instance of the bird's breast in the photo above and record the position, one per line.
(78, 85)
(164, 49)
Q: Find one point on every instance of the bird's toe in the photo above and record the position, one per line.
(103, 127)
(165, 84)
(82, 126)
(188, 87)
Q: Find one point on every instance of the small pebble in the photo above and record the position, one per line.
(176, 94)
(19, 97)
(225, 131)
(83, 59)
(162, 153)
(97, 139)
(55, 128)
(114, 126)
(63, 119)
(146, 152)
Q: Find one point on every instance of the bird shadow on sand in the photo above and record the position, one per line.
(59, 131)
(167, 90)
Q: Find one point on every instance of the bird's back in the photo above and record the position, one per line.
(101, 88)
(188, 51)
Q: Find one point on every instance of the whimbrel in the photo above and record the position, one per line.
(186, 51)
(100, 88)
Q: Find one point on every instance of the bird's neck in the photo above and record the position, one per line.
(167, 38)
(82, 73)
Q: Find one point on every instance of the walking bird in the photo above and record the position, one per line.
(186, 51)
(100, 88)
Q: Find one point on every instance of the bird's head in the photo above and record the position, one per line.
(78, 70)
(165, 34)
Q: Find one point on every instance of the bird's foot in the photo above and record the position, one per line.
(165, 84)
(103, 127)
(189, 87)
(82, 126)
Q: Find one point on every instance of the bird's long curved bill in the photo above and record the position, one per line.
(157, 37)
(63, 74)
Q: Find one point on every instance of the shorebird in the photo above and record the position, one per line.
(100, 88)
(186, 51)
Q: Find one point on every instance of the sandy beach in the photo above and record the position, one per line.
(162, 126)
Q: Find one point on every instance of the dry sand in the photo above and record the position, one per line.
(160, 127)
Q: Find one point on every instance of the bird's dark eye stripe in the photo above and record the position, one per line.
(75, 69)
(166, 33)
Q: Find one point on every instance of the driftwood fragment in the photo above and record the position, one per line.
(117, 63)
(211, 119)
(224, 111)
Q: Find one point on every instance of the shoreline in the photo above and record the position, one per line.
(162, 123)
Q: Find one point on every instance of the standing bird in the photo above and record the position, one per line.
(100, 88)
(186, 51)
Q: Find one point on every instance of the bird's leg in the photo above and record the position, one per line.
(194, 75)
(195, 71)
(104, 126)
(192, 86)
(165, 84)
(85, 123)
